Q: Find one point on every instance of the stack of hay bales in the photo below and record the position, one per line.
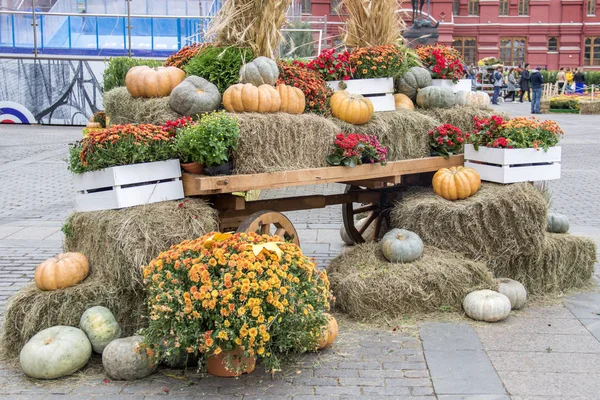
(117, 243)
(589, 107)
(122, 108)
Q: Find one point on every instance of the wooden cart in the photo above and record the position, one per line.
(370, 191)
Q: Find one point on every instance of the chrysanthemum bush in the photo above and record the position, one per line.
(227, 291)
(315, 89)
(446, 140)
(443, 62)
(376, 61)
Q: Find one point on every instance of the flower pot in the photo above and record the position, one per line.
(217, 364)
(223, 169)
(193, 168)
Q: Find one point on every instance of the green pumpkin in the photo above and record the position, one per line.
(557, 223)
(123, 359)
(195, 95)
(260, 71)
(100, 326)
(412, 81)
(400, 245)
(55, 352)
(435, 97)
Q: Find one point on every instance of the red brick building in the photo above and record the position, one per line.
(548, 33)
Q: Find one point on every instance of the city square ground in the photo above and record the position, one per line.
(549, 350)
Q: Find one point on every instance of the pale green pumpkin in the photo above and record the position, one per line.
(412, 81)
(557, 223)
(487, 305)
(100, 326)
(194, 96)
(260, 71)
(400, 245)
(125, 359)
(514, 290)
(435, 97)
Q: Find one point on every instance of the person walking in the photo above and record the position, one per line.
(524, 83)
(579, 79)
(561, 79)
(537, 80)
(511, 85)
(498, 82)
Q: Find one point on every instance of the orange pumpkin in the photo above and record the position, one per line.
(352, 108)
(249, 98)
(456, 183)
(329, 332)
(403, 102)
(143, 81)
(62, 271)
(292, 99)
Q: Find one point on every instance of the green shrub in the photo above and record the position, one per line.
(117, 67)
(591, 77)
(219, 65)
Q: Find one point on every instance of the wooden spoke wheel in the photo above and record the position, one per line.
(375, 222)
(270, 223)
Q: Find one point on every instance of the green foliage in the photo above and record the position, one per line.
(298, 44)
(591, 77)
(410, 59)
(67, 228)
(117, 67)
(563, 102)
(219, 65)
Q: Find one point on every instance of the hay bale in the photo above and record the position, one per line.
(122, 108)
(565, 262)
(460, 116)
(403, 132)
(282, 142)
(499, 220)
(589, 107)
(367, 286)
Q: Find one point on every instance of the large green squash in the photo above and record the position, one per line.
(260, 71)
(557, 223)
(400, 245)
(195, 95)
(100, 326)
(435, 97)
(125, 359)
(414, 79)
(55, 352)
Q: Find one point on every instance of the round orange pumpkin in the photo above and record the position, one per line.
(62, 271)
(143, 81)
(249, 98)
(292, 99)
(456, 183)
(403, 102)
(329, 332)
(352, 108)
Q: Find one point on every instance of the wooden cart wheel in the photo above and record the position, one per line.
(376, 217)
(262, 223)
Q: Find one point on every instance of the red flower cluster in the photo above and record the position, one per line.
(331, 66)
(443, 61)
(183, 56)
(170, 127)
(315, 89)
(446, 139)
(355, 149)
(488, 132)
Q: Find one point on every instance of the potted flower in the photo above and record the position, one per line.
(354, 149)
(445, 66)
(518, 150)
(446, 140)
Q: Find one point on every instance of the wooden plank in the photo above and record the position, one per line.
(197, 185)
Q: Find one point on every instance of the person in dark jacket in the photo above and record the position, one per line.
(537, 80)
(524, 83)
(579, 79)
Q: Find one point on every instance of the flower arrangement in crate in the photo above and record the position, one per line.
(316, 92)
(376, 61)
(331, 66)
(446, 140)
(242, 294)
(354, 149)
(442, 61)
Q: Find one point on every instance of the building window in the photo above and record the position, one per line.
(512, 50)
(553, 44)
(305, 6)
(473, 7)
(503, 10)
(456, 7)
(591, 7)
(591, 55)
(523, 7)
(466, 46)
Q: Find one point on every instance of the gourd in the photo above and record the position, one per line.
(400, 245)
(515, 291)
(260, 71)
(125, 359)
(100, 326)
(195, 95)
(144, 81)
(403, 102)
(414, 79)
(55, 352)
(468, 98)
(329, 332)
(435, 97)
(62, 271)
(368, 235)
(352, 108)
(486, 305)
(292, 99)
(249, 98)
(456, 183)
(557, 223)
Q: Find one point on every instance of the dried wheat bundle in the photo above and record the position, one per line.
(372, 22)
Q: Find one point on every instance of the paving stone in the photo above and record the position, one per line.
(386, 391)
(535, 342)
(527, 324)
(339, 390)
(32, 233)
(585, 305)
(551, 384)
(592, 325)
(524, 361)
(474, 397)
(448, 336)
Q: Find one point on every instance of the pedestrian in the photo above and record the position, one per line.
(524, 83)
(579, 79)
(498, 81)
(561, 79)
(511, 85)
(536, 88)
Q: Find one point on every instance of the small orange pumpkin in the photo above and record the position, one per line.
(143, 81)
(352, 108)
(329, 332)
(292, 99)
(249, 98)
(403, 102)
(64, 270)
(456, 183)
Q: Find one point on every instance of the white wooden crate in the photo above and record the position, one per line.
(463, 84)
(514, 165)
(128, 185)
(379, 90)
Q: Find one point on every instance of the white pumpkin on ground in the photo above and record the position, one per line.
(55, 352)
(101, 327)
(125, 359)
(400, 245)
(514, 290)
(486, 305)
(474, 99)
(368, 235)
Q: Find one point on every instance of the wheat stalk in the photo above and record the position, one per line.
(372, 22)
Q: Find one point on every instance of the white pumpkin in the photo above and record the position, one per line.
(515, 291)
(474, 99)
(400, 245)
(100, 326)
(486, 305)
(368, 235)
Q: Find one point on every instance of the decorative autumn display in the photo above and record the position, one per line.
(475, 99)
(292, 99)
(183, 56)
(225, 290)
(355, 149)
(100, 326)
(126, 359)
(62, 271)
(456, 183)
(375, 61)
(403, 102)
(195, 96)
(260, 71)
(249, 98)
(442, 61)
(516, 133)
(370, 23)
(316, 92)
(486, 305)
(515, 291)
(143, 81)
(412, 81)
(329, 332)
(331, 66)
(446, 140)
(435, 97)
(170, 127)
(400, 245)
(55, 352)
(557, 223)
(352, 108)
